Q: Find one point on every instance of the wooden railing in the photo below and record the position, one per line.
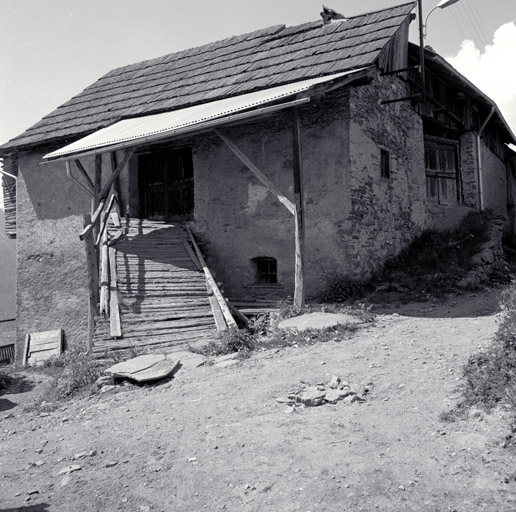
(101, 256)
(225, 320)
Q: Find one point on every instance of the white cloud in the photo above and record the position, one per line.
(492, 70)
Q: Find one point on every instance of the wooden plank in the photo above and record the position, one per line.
(26, 349)
(115, 326)
(43, 345)
(115, 219)
(192, 255)
(116, 173)
(105, 219)
(94, 219)
(287, 203)
(104, 276)
(230, 321)
(93, 283)
(116, 236)
(299, 216)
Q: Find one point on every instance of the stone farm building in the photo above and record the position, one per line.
(309, 150)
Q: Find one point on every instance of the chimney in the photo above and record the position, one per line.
(330, 15)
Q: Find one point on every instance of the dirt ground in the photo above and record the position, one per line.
(215, 438)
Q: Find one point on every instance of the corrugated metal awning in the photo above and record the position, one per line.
(154, 127)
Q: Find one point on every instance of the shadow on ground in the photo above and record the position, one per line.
(467, 305)
(41, 507)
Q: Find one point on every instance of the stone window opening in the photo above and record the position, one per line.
(385, 164)
(266, 270)
(441, 169)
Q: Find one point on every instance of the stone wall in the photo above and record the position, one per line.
(469, 170)
(490, 257)
(386, 213)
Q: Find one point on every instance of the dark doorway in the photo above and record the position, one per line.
(166, 184)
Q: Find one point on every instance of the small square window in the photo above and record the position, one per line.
(385, 164)
(266, 270)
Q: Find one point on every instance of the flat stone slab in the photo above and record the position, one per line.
(145, 368)
(188, 360)
(317, 321)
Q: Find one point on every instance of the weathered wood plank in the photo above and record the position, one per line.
(230, 321)
(299, 215)
(104, 276)
(115, 326)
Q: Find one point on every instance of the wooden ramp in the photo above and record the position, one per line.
(162, 293)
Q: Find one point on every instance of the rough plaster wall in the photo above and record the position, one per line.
(386, 213)
(494, 181)
(52, 282)
(240, 220)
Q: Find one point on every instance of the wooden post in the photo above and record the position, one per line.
(104, 275)
(115, 326)
(116, 184)
(93, 280)
(299, 218)
(96, 188)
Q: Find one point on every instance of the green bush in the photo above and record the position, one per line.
(489, 377)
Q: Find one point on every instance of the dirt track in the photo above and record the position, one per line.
(216, 439)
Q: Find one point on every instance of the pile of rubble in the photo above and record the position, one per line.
(334, 391)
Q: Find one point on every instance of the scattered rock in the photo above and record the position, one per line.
(70, 469)
(287, 401)
(144, 508)
(111, 463)
(333, 396)
(105, 389)
(317, 321)
(83, 455)
(105, 380)
(66, 480)
(334, 382)
(33, 491)
(227, 360)
(192, 459)
(311, 397)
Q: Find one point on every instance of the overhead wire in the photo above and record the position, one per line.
(480, 22)
(469, 22)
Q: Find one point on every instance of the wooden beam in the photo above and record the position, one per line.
(75, 180)
(85, 174)
(299, 289)
(116, 183)
(128, 153)
(93, 283)
(287, 203)
(105, 218)
(212, 283)
(115, 326)
(94, 219)
(104, 275)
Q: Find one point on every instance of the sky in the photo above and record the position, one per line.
(52, 49)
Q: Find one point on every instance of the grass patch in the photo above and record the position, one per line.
(432, 265)
(263, 333)
(5, 380)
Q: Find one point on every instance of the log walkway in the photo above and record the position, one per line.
(162, 293)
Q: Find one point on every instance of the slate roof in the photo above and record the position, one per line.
(258, 60)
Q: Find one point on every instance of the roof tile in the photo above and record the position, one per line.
(272, 56)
